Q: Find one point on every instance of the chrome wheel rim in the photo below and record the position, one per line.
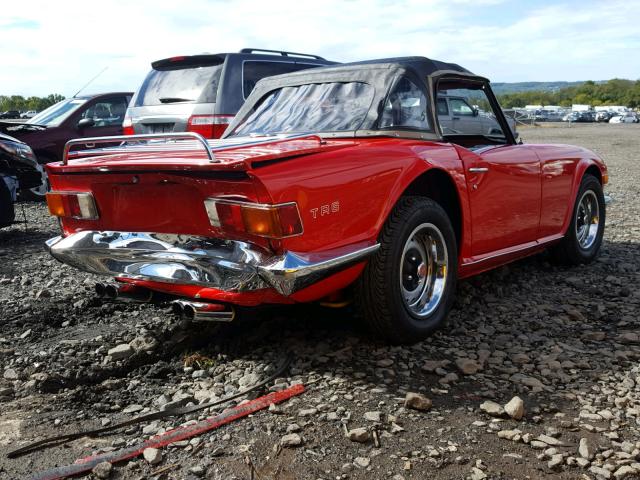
(42, 190)
(423, 270)
(587, 220)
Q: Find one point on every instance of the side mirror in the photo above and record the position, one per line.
(476, 112)
(85, 123)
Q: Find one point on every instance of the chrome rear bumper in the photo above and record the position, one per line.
(222, 264)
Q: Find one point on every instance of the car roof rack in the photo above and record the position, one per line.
(91, 142)
(282, 53)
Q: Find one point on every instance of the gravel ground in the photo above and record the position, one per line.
(563, 340)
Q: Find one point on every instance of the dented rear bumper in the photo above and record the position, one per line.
(187, 260)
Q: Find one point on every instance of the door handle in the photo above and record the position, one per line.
(455, 118)
(478, 169)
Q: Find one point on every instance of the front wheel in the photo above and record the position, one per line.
(38, 193)
(406, 290)
(583, 238)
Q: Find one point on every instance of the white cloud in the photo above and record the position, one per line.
(58, 46)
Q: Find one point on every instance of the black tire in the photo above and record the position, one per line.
(570, 250)
(379, 290)
(7, 212)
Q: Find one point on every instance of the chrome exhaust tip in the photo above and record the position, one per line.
(203, 311)
(125, 292)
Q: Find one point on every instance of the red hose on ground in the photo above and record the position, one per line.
(181, 433)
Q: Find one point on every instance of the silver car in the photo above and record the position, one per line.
(457, 115)
(202, 93)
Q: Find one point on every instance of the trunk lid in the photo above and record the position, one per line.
(161, 187)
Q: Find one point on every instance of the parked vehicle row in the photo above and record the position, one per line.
(337, 182)
(198, 93)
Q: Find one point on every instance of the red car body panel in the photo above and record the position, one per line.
(344, 189)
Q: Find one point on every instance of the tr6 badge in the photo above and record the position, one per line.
(328, 209)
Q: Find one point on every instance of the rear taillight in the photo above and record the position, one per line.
(271, 221)
(127, 126)
(80, 205)
(209, 126)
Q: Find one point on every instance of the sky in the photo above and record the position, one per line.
(57, 47)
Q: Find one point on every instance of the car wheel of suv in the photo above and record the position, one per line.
(583, 238)
(406, 290)
(7, 212)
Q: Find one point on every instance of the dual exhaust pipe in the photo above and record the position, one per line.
(126, 292)
(196, 311)
(203, 311)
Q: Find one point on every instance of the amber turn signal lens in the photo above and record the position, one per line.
(80, 205)
(605, 178)
(54, 202)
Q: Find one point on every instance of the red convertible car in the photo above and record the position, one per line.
(331, 183)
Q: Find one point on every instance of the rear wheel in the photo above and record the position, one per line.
(407, 287)
(583, 239)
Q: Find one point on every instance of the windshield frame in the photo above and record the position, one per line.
(58, 119)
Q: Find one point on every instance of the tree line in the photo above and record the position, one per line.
(22, 104)
(613, 92)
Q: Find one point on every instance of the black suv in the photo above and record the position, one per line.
(202, 93)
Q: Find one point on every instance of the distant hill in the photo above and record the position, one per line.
(505, 87)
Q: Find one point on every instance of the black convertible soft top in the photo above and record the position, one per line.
(381, 74)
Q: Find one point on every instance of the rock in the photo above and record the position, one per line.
(531, 382)
(198, 470)
(550, 440)
(25, 334)
(373, 416)
(582, 462)
(291, 440)
(307, 412)
(508, 434)
(628, 337)
(417, 401)
(625, 471)
(515, 408)
(144, 343)
(586, 449)
(468, 366)
(10, 374)
(153, 456)
(121, 351)
(477, 474)
(385, 362)
(432, 365)
(362, 462)
(102, 470)
(248, 380)
(556, 461)
(492, 408)
(360, 435)
(600, 472)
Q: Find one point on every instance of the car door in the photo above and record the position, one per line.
(504, 193)
(106, 115)
(503, 178)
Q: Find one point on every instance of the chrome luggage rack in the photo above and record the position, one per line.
(195, 139)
